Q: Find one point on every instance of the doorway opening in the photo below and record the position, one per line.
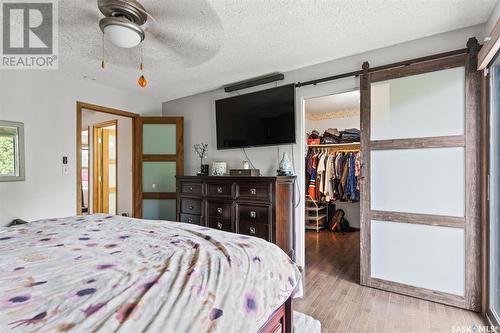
(105, 165)
(332, 183)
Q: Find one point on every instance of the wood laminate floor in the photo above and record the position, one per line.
(334, 297)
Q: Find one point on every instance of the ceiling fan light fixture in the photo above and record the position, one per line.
(122, 32)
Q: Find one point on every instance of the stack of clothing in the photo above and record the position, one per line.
(331, 135)
(350, 135)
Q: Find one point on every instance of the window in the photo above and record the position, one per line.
(11, 151)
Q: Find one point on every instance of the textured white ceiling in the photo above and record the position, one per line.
(200, 45)
(333, 103)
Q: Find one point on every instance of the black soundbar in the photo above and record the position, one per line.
(254, 82)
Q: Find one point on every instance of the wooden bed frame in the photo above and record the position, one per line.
(281, 321)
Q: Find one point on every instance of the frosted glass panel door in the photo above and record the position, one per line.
(160, 158)
(419, 211)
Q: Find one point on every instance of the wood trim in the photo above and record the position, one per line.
(418, 143)
(424, 219)
(159, 195)
(485, 207)
(490, 48)
(138, 168)
(472, 179)
(418, 68)
(156, 158)
(98, 108)
(79, 161)
(160, 119)
(87, 128)
(424, 293)
(79, 107)
(179, 147)
(365, 114)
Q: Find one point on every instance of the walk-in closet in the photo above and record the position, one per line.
(332, 179)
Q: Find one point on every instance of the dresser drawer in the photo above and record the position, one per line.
(254, 229)
(220, 224)
(254, 214)
(193, 219)
(219, 209)
(220, 190)
(191, 206)
(253, 191)
(191, 188)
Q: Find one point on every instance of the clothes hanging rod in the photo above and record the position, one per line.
(383, 67)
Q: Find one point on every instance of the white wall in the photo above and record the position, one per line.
(124, 157)
(199, 110)
(45, 101)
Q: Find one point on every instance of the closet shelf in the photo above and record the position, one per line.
(339, 145)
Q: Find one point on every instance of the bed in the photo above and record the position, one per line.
(118, 274)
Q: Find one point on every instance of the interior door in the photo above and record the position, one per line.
(159, 159)
(420, 218)
(105, 167)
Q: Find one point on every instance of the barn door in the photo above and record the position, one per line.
(420, 208)
(159, 150)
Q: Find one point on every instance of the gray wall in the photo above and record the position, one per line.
(199, 110)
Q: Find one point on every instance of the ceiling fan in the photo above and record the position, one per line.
(123, 21)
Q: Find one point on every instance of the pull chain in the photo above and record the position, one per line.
(142, 80)
(102, 62)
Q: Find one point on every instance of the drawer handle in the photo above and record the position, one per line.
(219, 189)
(190, 220)
(219, 210)
(253, 214)
(219, 225)
(191, 189)
(253, 191)
(190, 207)
(252, 230)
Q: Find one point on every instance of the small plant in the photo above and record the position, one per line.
(201, 149)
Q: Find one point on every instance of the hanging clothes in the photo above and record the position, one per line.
(332, 176)
(312, 180)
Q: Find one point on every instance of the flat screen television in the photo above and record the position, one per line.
(261, 118)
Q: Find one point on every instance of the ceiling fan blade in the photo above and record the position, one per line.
(187, 48)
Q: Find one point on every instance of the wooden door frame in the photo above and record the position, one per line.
(139, 158)
(95, 179)
(92, 107)
(471, 222)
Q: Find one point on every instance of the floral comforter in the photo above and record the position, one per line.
(116, 274)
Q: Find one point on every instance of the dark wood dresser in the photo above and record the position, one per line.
(257, 206)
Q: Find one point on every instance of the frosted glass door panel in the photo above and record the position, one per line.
(158, 176)
(424, 181)
(159, 139)
(419, 255)
(153, 209)
(425, 105)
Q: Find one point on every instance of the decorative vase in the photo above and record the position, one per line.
(285, 167)
(204, 169)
